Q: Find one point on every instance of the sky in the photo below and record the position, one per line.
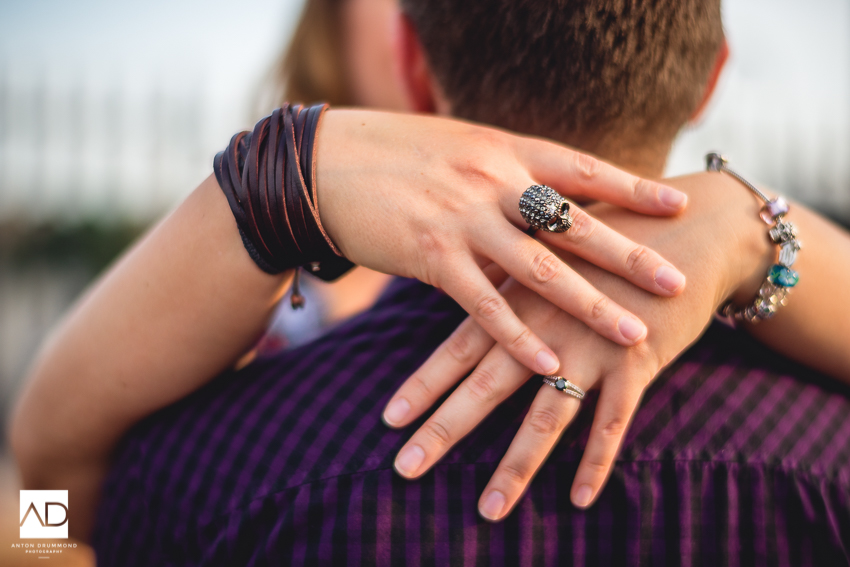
(149, 34)
(176, 43)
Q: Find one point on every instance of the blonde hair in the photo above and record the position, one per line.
(311, 68)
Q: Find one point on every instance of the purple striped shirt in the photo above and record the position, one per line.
(735, 457)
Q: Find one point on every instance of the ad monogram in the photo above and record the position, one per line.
(44, 514)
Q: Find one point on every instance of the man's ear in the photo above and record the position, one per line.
(412, 70)
(716, 71)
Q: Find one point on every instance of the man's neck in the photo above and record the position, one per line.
(643, 158)
(647, 161)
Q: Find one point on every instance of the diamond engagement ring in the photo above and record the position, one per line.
(544, 208)
(562, 384)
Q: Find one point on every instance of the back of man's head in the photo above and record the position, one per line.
(592, 73)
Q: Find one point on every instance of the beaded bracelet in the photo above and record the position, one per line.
(780, 278)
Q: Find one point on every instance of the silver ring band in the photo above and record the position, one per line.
(544, 208)
(562, 384)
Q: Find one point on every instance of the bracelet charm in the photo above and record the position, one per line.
(780, 277)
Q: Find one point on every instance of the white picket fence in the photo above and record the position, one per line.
(84, 149)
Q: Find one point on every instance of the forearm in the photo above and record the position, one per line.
(814, 327)
(182, 305)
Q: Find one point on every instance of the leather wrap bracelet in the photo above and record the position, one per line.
(269, 178)
(773, 293)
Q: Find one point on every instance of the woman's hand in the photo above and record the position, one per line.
(437, 200)
(705, 236)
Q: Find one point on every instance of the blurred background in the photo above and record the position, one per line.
(111, 113)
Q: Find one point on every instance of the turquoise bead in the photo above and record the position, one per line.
(782, 276)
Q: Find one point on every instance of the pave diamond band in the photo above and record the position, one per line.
(563, 385)
(544, 208)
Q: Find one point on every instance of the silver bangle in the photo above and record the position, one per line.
(780, 277)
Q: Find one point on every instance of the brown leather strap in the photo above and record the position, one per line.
(269, 178)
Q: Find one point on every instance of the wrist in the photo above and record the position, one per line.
(752, 253)
(754, 258)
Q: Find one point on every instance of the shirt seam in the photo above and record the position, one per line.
(833, 478)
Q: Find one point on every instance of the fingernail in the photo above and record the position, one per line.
(631, 328)
(546, 363)
(672, 198)
(396, 411)
(409, 459)
(669, 278)
(583, 495)
(492, 506)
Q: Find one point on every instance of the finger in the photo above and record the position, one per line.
(601, 245)
(537, 268)
(574, 174)
(466, 283)
(498, 375)
(452, 360)
(617, 403)
(547, 418)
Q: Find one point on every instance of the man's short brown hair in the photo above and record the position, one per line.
(580, 71)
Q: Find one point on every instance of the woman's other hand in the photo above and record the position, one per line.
(438, 200)
(706, 241)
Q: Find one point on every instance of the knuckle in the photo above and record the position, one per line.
(642, 354)
(521, 339)
(597, 307)
(477, 170)
(642, 189)
(421, 385)
(641, 363)
(645, 379)
(459, 346)
(483, 165)
(431, 251)
(482, 385)
(428, 242)
(437, 432)
(490, 307)
(516, 474)
(637, 260)
(487, 138)
(614, 427)
(583, 226)
(596, 467)
(544, 422)
(544, 267)
(586, 166)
